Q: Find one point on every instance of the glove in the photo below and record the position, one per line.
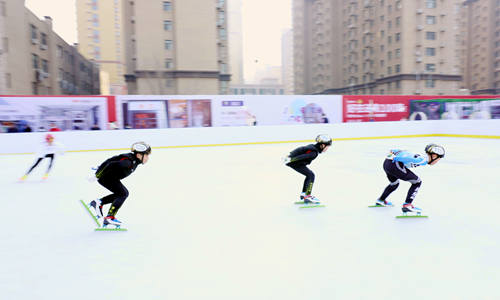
(286, 160)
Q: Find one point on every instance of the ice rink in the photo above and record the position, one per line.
(220, 223)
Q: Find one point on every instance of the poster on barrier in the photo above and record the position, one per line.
(276, 110)
(455, 108)
(222, 110)
(53, 113)
(360, 108)
(140, 112)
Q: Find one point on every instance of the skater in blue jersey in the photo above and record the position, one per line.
(298, 160)
(397, 166)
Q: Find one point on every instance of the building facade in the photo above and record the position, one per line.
(481, 46)
(386, 47)
(176, 47)
(100, 38)
(38, 61)
(287, 61)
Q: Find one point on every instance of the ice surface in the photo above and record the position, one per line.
(220, 223)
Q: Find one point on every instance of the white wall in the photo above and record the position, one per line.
(122, 139)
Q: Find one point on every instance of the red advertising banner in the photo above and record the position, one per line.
(366, 108)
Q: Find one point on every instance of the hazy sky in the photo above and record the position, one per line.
(263, 23)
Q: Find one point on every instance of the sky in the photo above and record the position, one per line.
(263, 22)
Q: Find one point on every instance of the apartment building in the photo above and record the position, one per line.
(176, 47)
(35, 60)
(481, 46)
(386, 46)
(100, 38)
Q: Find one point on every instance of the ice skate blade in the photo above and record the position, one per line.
(312, 206)
(406, 216)
(380, 205)
(110, 229)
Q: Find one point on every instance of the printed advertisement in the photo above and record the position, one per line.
(139, 112)
(25, 114)
(276, 110)
(375, 108)
(455, 109)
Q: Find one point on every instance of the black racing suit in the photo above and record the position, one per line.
(299, 159)
(109, 174)
(396, 170)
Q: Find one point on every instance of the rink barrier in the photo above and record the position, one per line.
(119, 140)
(285, 142)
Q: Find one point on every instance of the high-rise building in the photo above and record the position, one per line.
(386, 46)
(287, 61)
(100, 38)
(235, 41)
(481, 51)
(35, 60)
(317, 36)
(176, 47)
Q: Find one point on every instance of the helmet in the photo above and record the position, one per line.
(49, 137)
(324, 139)
(435, 149)
(141, 147)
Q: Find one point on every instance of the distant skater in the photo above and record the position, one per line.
(48, 150)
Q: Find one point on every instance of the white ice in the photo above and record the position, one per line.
(220, 223)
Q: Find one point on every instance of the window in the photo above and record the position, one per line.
(34, 34)
(167, 25)
(167, 6)
(430, 3)
(397, 53)
(430, 20)
(389, 55)
(430, 67)
(222, 34)
(97, 52)
(45, 66)
(169, 44)
(95, 36)
(429, 35)
(95, 20)
(35, 61)
(59, 51)
(222, 18)
(430, 83)
(94, 5)
(382, 63)
(169, 63)
(398, 21)
(389, 70)
(430, 51)
(398, 84)
(397, 68)
(43, 39)
(389, 39)
(397, 37)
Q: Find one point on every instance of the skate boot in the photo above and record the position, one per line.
(383, 202)
(409, 208)
(96, 207)
(111, 220)
(310, 199)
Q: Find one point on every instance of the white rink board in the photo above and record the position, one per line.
(122, 139)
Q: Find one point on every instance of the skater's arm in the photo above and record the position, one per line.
(410, 160)
(305, 156)
(120, 167)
